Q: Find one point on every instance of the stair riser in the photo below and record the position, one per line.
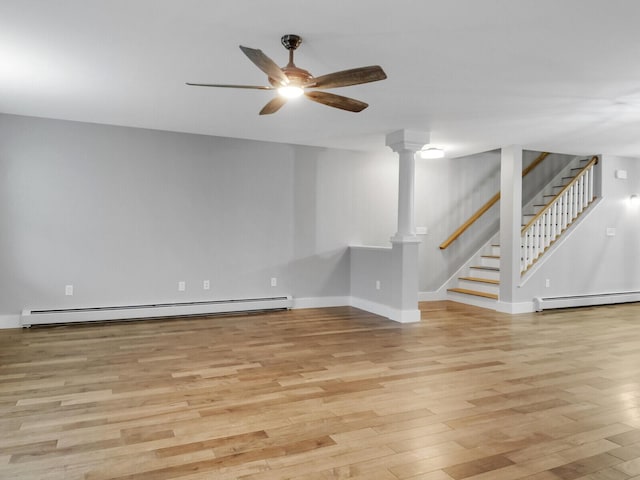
(479, 286)
(490, 262)
(480, 273)
(495, 250)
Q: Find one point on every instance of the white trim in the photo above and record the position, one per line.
(371, 307)
(320, 302)
(405, 239)
(369, 247)
(9, 321)
(29, 318)
(401, 316)
(405, 316)
(128, 312)
(514, 308)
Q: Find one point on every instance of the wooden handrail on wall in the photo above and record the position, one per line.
(490, 203)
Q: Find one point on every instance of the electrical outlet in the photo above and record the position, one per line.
(377, 284)
(182, 286)
(206, 285)
(611, 232)
(274, 282)
(68, 290)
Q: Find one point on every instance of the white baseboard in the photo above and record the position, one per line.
(401, 316)
(514, 308)
(9, 321)
(405, 316)
(502, 307)
(371, 307)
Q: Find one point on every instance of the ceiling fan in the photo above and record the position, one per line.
(291, 81)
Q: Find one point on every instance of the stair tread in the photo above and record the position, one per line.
(474, 292)
(490, 256)
(480, 280)
(482, 267)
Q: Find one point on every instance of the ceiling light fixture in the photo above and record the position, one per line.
(291, 91)
(429, 152)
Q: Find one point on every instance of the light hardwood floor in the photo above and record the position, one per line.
(326, 394)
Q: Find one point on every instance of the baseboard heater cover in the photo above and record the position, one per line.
(545, 303)
(94, 314)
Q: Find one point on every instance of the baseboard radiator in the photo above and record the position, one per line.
(130, 312)
(545, 303)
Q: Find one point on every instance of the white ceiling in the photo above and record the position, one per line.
(558, 75)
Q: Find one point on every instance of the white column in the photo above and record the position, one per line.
(404, 255)
(510, 221)
(406, 143)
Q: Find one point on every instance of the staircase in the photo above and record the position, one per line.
(484, 278)
(544, 219)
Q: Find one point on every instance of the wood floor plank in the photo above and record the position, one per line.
(334, 393)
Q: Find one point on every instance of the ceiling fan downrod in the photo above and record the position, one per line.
(291, 41)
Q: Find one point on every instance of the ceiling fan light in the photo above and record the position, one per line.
(429, 153)
(291, 91)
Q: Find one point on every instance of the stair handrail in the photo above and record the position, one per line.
(592, 162)
(542, 235)
(490, 203)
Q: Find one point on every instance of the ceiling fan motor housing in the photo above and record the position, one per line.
(291, 41)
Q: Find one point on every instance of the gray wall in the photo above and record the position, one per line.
(368, 266)
(124, 214)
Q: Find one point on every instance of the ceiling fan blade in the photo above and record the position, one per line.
(223, 85)
(273, 106)
(344, 78)
(265, 64)
(337, 101)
